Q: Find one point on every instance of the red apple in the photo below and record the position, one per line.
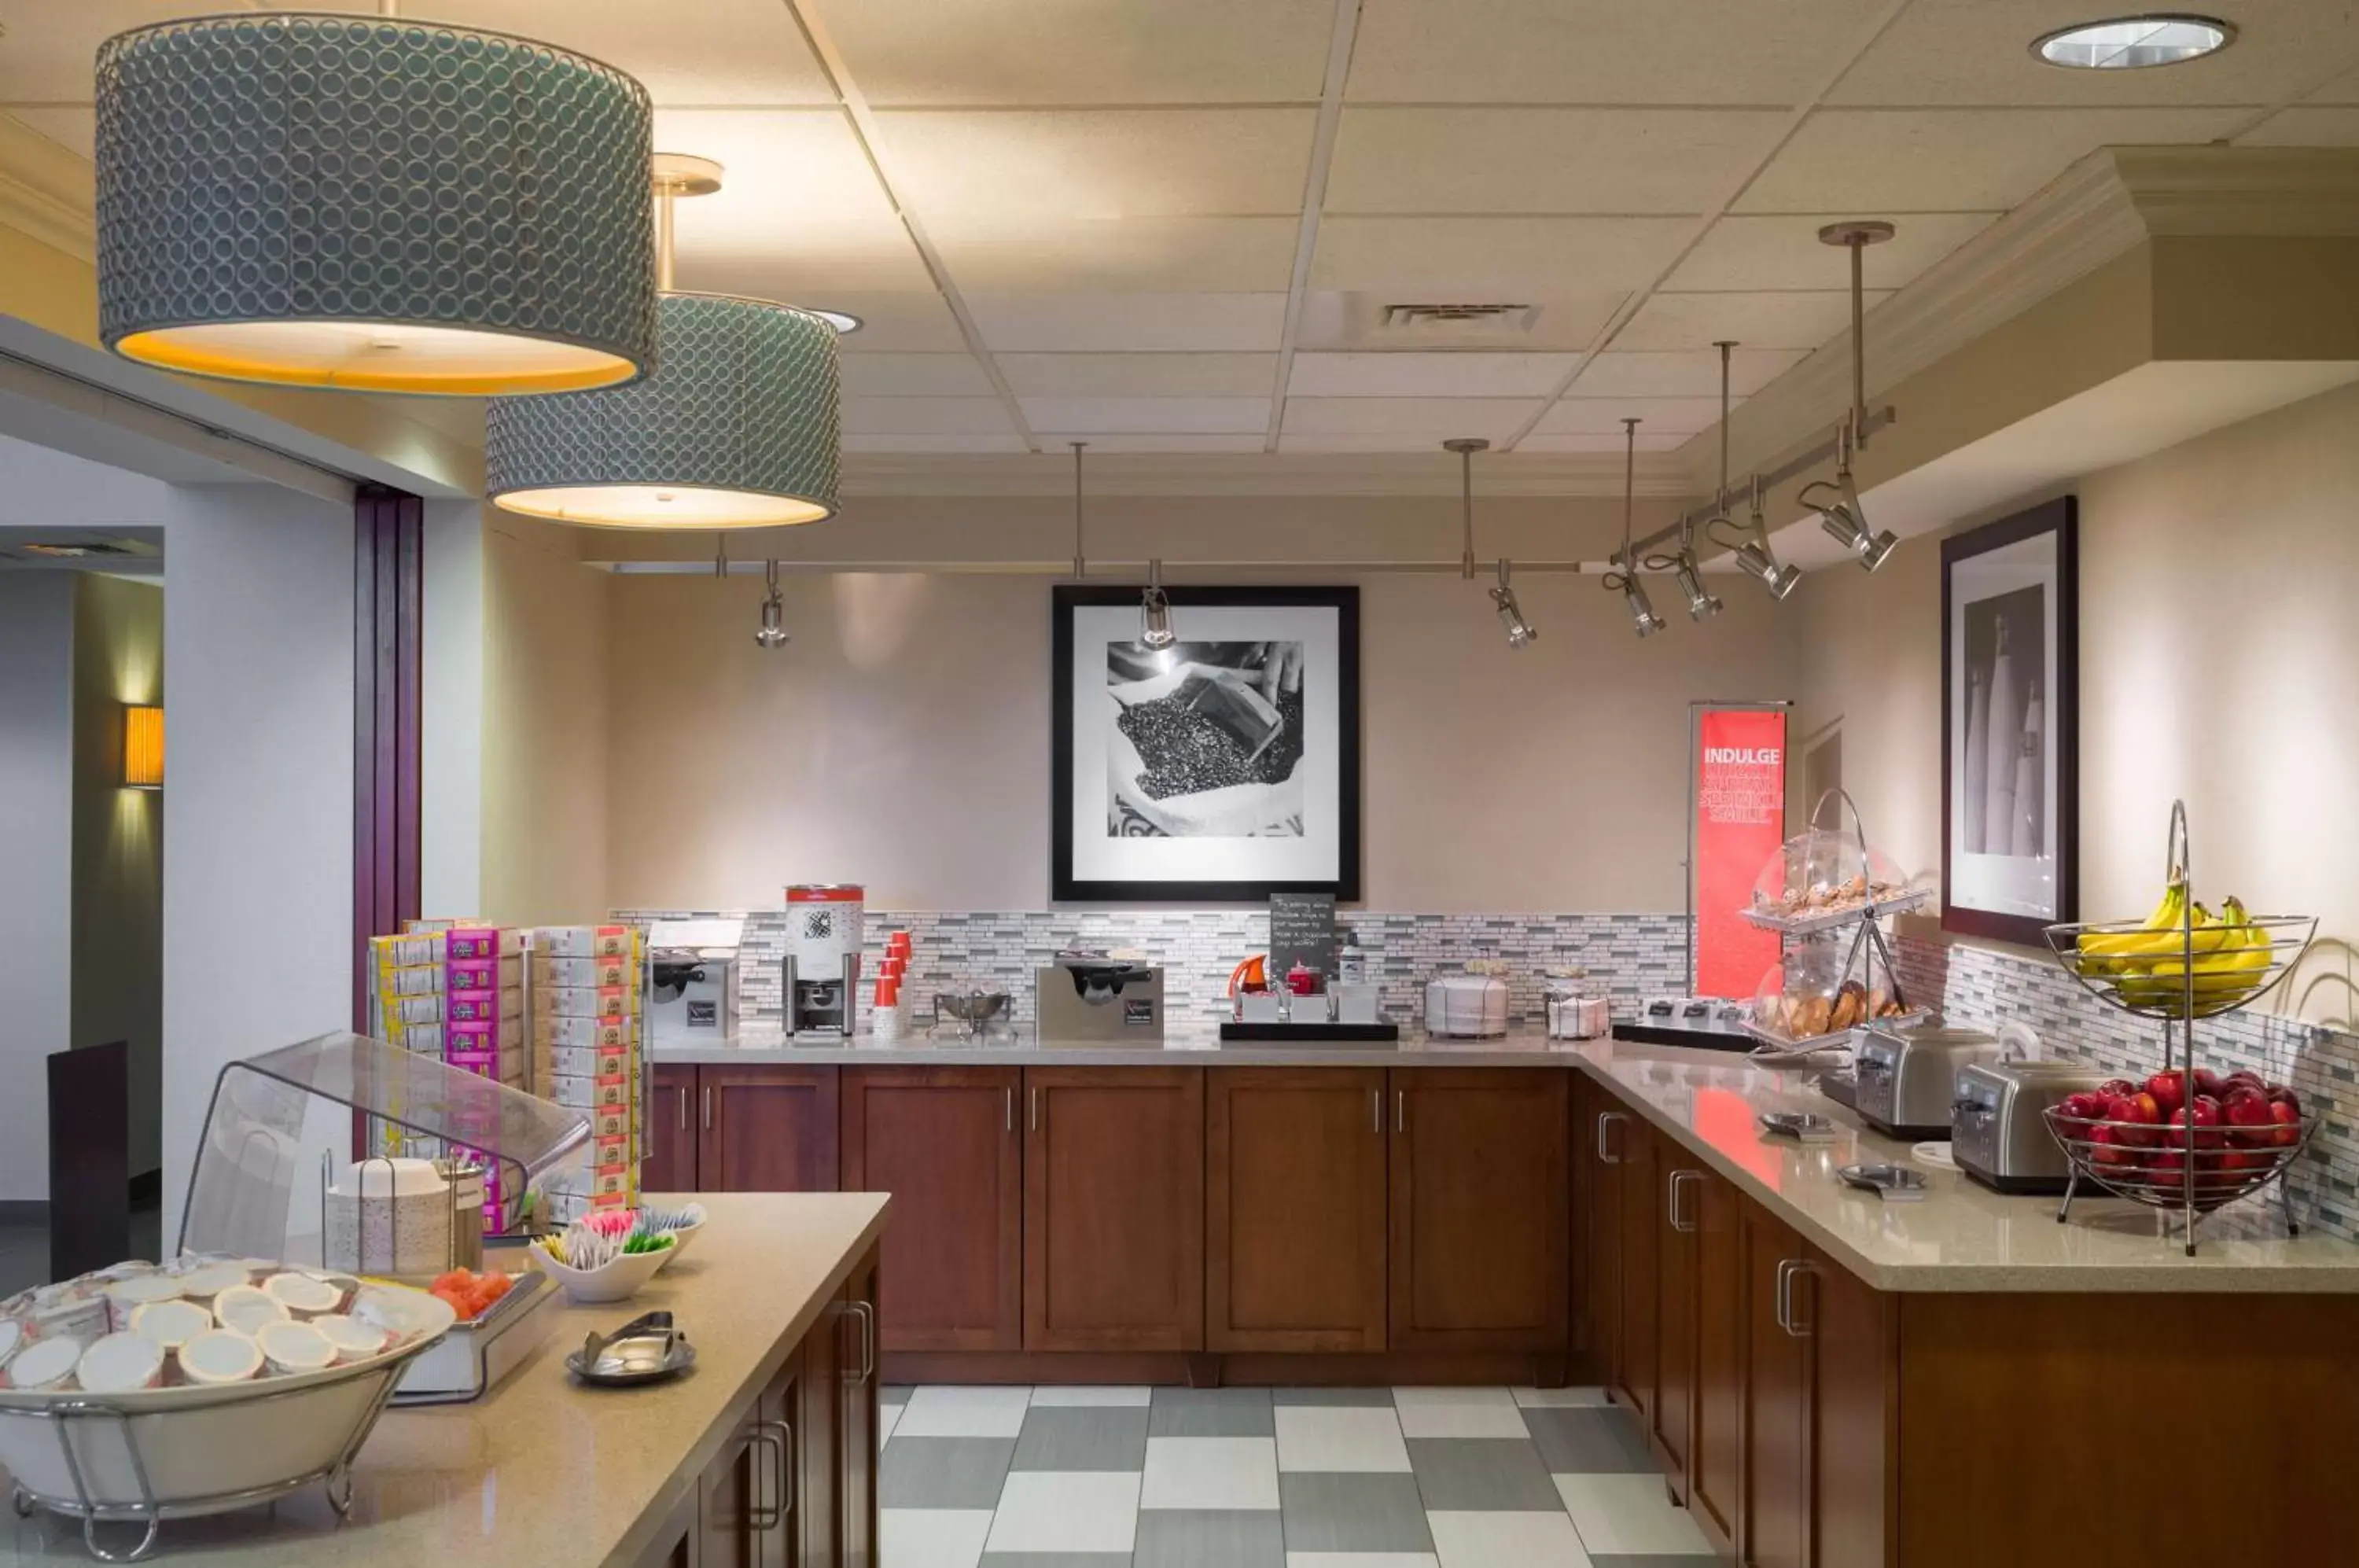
(2134, 1117)
(2249, 1112)
(2116, 1086)
(2288, 1118)
(2279, 1094)
(2205, 1113)
(2112, 1153)
(2207, 1081)
(2244, 1077)
(2169, 1090)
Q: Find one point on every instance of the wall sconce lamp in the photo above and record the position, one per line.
(142, 746)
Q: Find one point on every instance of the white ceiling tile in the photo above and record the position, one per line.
(1600, 51)
(1131, 440)
(713, 51)
(1082, 52)
(1879, 161)
(864, 441)
(1790, 318)
(1479, 259)
(2344, 89)
(2307, 124)
(1598, 440)
(1686, 373)
(1139, 375)
(1123, 255)
(906, 322)
(74, 129)
(1409, 375)
(1784, 252)
(915, 376)
(1545, 161)
(1166, 415)
(966, 170)
(1657, 416)
(1979, 52)
(1082, 323)
(800, 208)
(1428, 419)
(925, 416)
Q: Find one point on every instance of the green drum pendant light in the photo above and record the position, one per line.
(372, 204)
(740, 427)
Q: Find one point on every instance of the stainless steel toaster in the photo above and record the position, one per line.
(1906, 1078)
(1086, 1000)
(2000, 1139)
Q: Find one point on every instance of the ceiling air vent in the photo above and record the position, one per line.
(1458, 321)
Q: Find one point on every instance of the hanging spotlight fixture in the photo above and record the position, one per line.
(1842, 516)
(773, 631)
(1520, 632)
(1701, 604)
(1754, 557)
(1155, 612)
(1466, 447)
(372, 204)
(1624, 579)
(740, 427)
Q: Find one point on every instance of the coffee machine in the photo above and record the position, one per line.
(821, 990)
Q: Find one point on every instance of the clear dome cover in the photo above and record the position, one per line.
(1827, 875)
(1825, 988)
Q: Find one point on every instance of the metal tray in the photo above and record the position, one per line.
(470, 1360)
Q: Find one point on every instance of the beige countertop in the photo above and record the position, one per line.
(543, 1473)
(1960, 1237)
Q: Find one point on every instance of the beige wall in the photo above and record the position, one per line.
(902, 740)
(118, 844)
(544, 718)
(2219, 663)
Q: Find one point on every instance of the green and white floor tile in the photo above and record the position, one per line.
(1272, 1478)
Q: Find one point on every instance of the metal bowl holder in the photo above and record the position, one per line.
(2289, 938)
(336, 1476)
(1868, 939)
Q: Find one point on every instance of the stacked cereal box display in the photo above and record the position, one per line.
(586, 1003)
(455, 989)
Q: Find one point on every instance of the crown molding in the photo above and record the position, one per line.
(45, 191)
(2104, 206)
(1659, 474)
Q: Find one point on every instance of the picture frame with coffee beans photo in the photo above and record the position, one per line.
(1222, 766)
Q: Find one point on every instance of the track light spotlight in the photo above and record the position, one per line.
(1643, 618)
(1624, 578)
(1702, 605)
(1520, 632)
(1844, 521)
(773, 631)
(1755, 560)
(1155, 612)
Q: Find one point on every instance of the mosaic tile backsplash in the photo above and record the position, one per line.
(1637, 955)
(1632, 955)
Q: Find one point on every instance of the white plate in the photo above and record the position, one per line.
(1936, 1153)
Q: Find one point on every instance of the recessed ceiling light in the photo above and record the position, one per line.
(2132, 43)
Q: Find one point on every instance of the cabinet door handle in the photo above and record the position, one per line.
(1604, 1156)
(867, 1312)
(1687, 1226)
(708, 1108)
(683, 1113)
(1009, 1111)
(1799, 1327)
(1779, 1303)
(779, 1437)
(1033, 1095)
(1400, 1110)
(1376, 1112)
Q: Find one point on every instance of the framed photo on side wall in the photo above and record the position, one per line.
(1225, 767)
(2010, 725)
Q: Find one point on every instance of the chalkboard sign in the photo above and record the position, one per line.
(1301, 930)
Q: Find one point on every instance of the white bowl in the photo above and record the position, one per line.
(680, 1240)
(617, 1281)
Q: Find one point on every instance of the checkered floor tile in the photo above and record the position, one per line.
(1272, 1478)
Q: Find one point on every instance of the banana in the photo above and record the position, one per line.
(2223, 976)
(2108, 952)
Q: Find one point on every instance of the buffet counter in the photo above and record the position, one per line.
(545, 1471)
(1196, 1047)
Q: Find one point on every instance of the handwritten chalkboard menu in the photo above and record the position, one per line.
(1301, 930)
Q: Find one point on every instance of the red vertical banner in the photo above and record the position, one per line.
(1740, 820)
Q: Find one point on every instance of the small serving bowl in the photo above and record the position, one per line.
(680, 1237)
(618, 1280)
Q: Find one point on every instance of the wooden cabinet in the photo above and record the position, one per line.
(1776, 1402)
(1294, 1196)
(1479, 1216)
(944, 1141)
(1639, 1207)
(1853, 1335)
(821, 1452)
(779, 1499)
(1600, 1134)
(1715, 1460)
(670, 1126)
(728, 1533)
(856, 1497)
(1671, 1433)
(766, 1129)
(1114, 1208)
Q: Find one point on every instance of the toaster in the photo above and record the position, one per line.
(2000, 1139)
(1907, 1078)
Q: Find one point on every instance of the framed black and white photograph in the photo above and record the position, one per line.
(1225, 766)
(2010, 730)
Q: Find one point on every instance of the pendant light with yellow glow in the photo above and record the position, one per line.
(740, 427)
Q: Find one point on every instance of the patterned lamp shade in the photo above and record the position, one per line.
(739, 428)
(373, 205)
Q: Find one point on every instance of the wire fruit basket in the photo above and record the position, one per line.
(2214, 1143)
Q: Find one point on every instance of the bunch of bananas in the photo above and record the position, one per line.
(2149, 966)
